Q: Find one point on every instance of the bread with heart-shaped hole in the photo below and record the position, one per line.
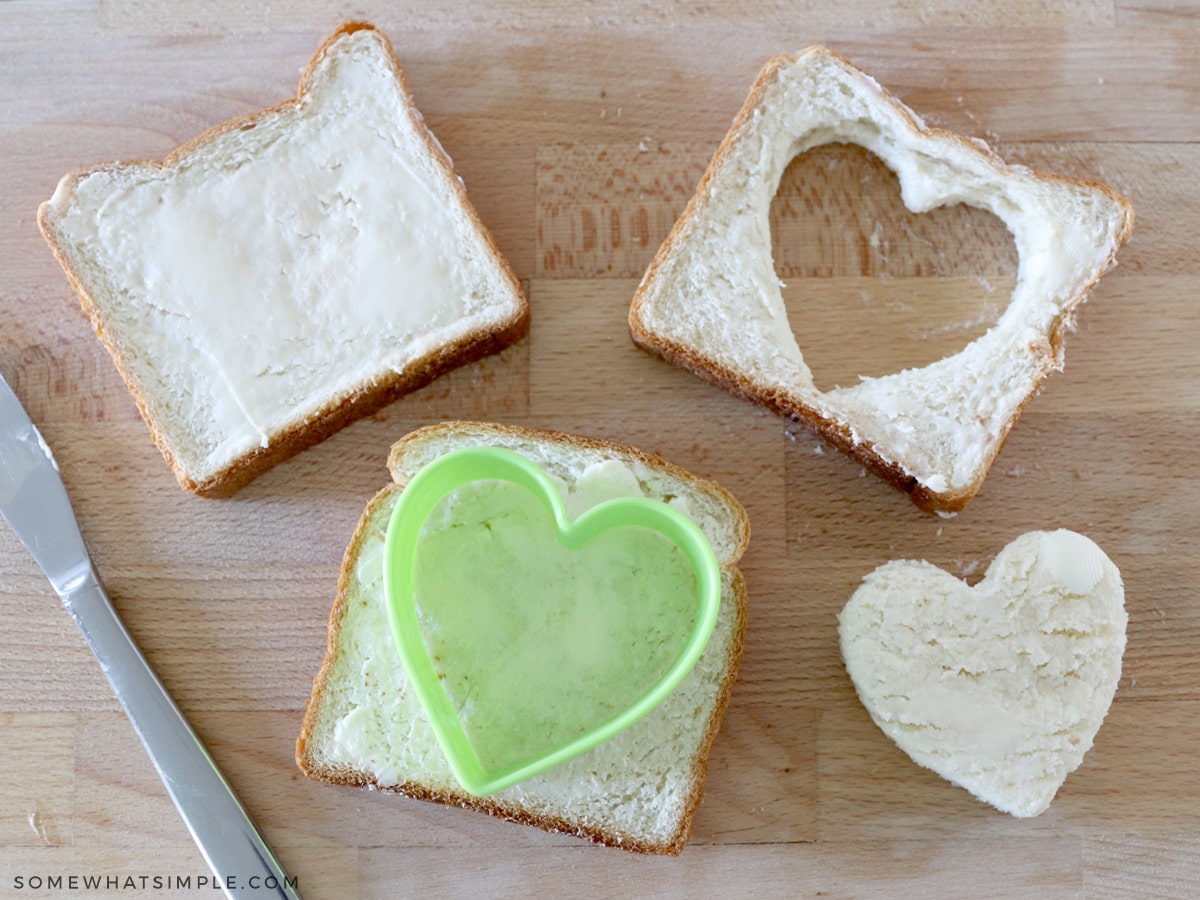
(1000, 687)
(711, 303)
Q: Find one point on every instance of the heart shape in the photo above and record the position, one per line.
(913, 287)
(999, 688)
(514, 687)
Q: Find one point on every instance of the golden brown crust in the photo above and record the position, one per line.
(794, 407)
(509, 811)
(339, 412)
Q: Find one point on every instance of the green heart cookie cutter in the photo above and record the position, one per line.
(461, 467)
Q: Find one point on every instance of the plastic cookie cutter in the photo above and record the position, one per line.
(417, 502)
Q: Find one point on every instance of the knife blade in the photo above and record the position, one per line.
(34, 501)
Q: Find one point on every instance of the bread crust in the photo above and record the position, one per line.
(316, 770)
(339, 411)
(792, 406)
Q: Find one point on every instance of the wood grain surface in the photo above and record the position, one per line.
(581, 130)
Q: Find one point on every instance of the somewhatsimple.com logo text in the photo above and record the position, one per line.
(118, 883)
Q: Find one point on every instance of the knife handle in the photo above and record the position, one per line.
(240, 859)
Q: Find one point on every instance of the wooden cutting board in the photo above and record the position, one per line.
(581, 132)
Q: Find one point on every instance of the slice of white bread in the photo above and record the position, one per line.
(640, 789)
(710, 301)
(1001, 687)
(287, 272)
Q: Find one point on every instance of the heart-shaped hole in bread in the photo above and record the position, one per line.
(853, 260)
(711, 302)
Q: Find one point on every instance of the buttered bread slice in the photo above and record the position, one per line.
(287, 272)
(640, 789)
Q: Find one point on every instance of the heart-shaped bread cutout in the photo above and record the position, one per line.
(530, 638)
(710, 300)
(1000, 687)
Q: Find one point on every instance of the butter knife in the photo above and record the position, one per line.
(34, 502)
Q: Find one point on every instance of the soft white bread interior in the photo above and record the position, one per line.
(710, 300)
(286, 272)
(639, 790)
(1000, 687)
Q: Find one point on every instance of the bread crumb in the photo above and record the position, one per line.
(39, 827)
(1016, 471)
(913, 236)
